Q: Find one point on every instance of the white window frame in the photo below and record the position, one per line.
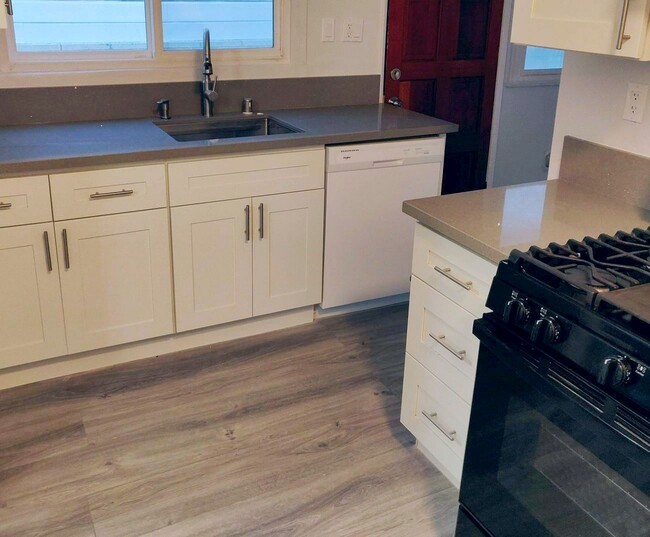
(154, 58)
(517, 76)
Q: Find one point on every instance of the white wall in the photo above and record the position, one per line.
(591, 102)
(306, 55)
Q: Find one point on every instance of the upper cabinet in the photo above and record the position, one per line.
(614, 27)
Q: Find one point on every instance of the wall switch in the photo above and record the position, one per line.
(327, 30)
(637, 96)
(353, 30)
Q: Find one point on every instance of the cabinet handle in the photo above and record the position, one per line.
(451, 435)
(446, 272)
(461, 355)
(622, 36)
(48, 252)
(247, 212)
(116, 194)
(66, 251)
(9, 7)
(5, 205)
(261, 229)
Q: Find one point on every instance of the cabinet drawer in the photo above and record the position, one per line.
(102, 192)
(437, 417)
(25, 200)
(457, 273)
(440, 338)
(245, 176)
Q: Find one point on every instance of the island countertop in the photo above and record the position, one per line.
(65, 147)
(493, 222)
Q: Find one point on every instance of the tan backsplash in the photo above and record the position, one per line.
(601, 169)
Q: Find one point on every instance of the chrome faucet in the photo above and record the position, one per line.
(208, 94)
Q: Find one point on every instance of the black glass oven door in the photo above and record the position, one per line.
(541, 459)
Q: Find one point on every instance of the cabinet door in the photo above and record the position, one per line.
(213, 278)
(287, 251)
(31, 313)
(582, 25)
(115, 278)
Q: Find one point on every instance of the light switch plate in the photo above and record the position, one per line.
(637, 97)
(327, 30)
(352, 30)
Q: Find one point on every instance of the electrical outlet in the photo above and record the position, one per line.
(353, 30)
(637, 96)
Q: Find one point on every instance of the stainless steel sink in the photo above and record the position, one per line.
(216, 128)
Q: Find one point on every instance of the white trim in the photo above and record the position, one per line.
(517, 76)
(151, 65)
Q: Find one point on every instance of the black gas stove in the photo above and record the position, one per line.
(559, 438)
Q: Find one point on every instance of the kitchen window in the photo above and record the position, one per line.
(534, 66)
(73, 35)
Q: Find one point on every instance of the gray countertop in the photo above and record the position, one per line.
(493, 222)
(65, 147)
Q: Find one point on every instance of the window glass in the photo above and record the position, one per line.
(233, 24)
(79, 25)
(538, 59)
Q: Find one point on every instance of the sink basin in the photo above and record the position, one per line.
(216, 128)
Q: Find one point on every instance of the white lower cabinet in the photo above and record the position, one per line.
(449, 287)
(115, 278)
(248, 257)
(213, 269)
(31, 313)
(288, 251)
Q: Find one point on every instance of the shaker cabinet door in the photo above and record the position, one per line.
(615, 27)
(287, 251)
(213, 278)
(31, 312)
(115, 278)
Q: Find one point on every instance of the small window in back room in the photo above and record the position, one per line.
(79, 25)
(233, 24)
(543, 59)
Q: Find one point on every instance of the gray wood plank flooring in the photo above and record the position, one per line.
(294, 433)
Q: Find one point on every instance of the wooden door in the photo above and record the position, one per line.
(213, 270)
(582, 25)
(287, 251)
(115, 278)
(31, 311)
(446, 52)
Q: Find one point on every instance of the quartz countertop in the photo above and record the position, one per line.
(65, 147)
(493, 222)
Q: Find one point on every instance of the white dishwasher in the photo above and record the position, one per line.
(368, 240)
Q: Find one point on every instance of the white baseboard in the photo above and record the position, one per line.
(87, 361)
(362, 306)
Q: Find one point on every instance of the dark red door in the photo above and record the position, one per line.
(441, 60)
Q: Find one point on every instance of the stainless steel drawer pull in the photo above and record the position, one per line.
(5, 205)
(261, 229)
(451, 435)
(48, 252)
(622, 36)
(66, 250)
(446, 272)
(461, 355)
(247, 231)
(118, 194)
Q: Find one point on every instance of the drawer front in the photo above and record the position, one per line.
(437, 417)
(245, 176)
(112, 191)
(457, 273)
(440, 338)
(25, 200)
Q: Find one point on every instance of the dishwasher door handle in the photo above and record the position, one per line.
(388, 163)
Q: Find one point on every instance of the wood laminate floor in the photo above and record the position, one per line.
(294, 433)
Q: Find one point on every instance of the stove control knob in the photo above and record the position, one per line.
(546, 330)
(614, 371)
(516, 312)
